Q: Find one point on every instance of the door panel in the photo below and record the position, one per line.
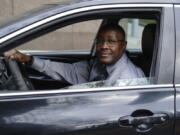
(88, 113)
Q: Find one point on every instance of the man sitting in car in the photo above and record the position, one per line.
(111, 62)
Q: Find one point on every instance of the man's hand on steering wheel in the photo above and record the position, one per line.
(21, 80)
(18, 56)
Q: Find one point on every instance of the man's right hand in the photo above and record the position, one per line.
(16, 55)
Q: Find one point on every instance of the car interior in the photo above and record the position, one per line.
(34, 80)
(144, 60)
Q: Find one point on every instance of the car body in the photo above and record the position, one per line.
(127, 108)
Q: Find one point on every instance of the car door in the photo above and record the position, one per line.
(140, 108)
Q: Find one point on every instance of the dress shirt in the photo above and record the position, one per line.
(81, 72)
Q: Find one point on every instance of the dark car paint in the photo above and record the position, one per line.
(84, 113)
(96, 112)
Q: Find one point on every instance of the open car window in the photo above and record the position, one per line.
(68, 43)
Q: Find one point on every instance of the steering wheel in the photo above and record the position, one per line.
(22, 81)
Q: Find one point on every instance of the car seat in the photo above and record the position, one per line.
(148, 38)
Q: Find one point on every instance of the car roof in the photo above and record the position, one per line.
(123, 1)
(52, 9)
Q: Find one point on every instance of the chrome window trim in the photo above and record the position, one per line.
(177, 85)
(176, 6)
(34, 25)
(70, 91)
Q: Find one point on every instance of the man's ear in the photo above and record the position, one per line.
(125, 44)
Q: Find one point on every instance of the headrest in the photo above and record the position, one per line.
(148, 38)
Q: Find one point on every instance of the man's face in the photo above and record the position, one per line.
(110, 46)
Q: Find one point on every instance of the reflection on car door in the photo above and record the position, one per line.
(126, 111)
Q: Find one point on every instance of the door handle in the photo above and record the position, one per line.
(143, 123)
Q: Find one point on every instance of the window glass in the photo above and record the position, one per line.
(79, 36)
(115, 83)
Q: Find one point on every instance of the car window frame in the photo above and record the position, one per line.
(166, 38)
(177, 71)
(122, 6)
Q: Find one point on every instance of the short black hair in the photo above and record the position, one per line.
(114, 27)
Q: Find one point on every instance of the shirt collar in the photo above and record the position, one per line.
(118, 65)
